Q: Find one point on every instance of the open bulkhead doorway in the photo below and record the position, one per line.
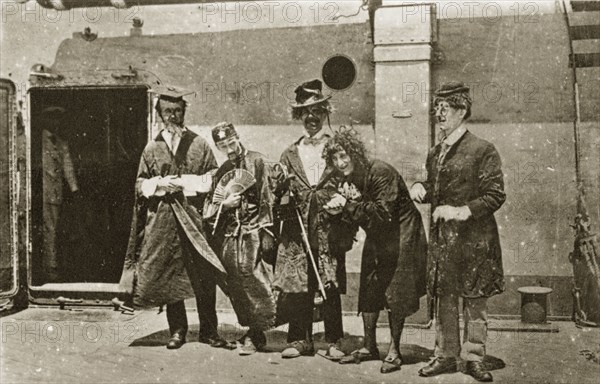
(85, 147)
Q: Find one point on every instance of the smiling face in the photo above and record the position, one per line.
(343, 162)
(448, 118)
(230, 146)
(313, 117)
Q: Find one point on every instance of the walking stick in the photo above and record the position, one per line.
(309, 250)
(217, 219)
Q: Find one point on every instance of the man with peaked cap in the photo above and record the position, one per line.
(464, 187)
(168, 258)
(242, 223)
(305, 221)
(57, 168)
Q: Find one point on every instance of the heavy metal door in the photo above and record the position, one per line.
(9, 261)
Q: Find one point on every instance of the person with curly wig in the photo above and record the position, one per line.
(374, 196)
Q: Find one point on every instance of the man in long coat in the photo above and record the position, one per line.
(57, 168)
(464, 187)
(242, 223)
(311, 186)
(168, 259)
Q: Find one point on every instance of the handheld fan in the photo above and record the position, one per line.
(234, 181)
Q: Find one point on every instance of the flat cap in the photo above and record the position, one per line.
(170, 92)
(223, 131)
(53, 112)
(452, 88)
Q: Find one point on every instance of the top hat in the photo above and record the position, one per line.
(223, 131)
(309, 93)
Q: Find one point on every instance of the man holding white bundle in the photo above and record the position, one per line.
(168, 258)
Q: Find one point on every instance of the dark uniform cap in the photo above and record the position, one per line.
(223, 131)
(457, 94)
(451, 88)
(53, 112)
(309, 93)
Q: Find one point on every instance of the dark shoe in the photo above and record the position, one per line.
(216, 342)
(439, 366)
(358, 356)
(477, 370)
(176, 341)
(391, 364)
(298, 348)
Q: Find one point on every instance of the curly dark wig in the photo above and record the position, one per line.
(325, 106)
(347, 139)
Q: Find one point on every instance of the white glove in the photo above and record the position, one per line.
(336, 204)
(447, 213)
(418, 192)
(337, 201)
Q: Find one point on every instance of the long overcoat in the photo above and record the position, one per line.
(293, 265)
(465, 257)
(249, 268)
(393, 265)
(163, 228)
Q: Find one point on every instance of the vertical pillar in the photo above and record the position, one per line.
(402, 53)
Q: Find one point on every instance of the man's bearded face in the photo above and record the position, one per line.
(231, 147)
(172, 112)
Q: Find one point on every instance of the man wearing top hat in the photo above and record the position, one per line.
(57, 167)
(303, 221)
(242, 224)
(464, 187)
(168, 258)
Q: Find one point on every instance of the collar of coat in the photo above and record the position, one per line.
(438, 147)
(298, 169)
(456, 135)
(318, 136)
(187, 137)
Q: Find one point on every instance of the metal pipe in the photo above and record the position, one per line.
(577, 120)
(63, 5)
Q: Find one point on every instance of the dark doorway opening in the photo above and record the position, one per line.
(81, 216)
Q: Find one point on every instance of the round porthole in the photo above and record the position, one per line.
(339, 72)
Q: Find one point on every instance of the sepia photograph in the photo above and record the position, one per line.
(299, 191)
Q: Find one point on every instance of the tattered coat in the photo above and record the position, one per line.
(237, 231)
(293, 266)
(163, 228)
(465, 257)
(394, 258)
